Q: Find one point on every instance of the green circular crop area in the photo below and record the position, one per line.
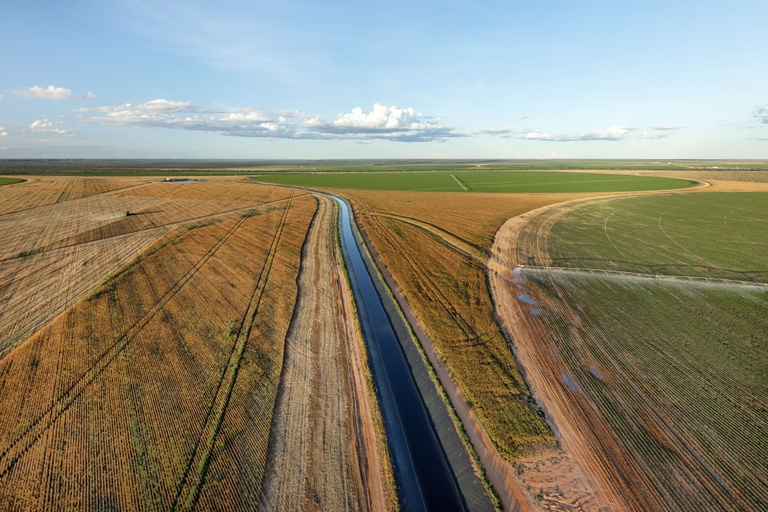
(718, 234)
(9, 181)
(479, 181)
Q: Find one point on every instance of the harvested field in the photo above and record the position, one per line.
(659, 386)
(138, 378)
(142, 354)
(54, 254)
(43, 190)
(317, 457)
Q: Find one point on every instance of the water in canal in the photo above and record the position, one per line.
(424, 478)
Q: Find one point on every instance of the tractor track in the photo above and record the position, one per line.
(191, 484)
(22, 443)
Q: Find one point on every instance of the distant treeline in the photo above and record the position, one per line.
(161, 167)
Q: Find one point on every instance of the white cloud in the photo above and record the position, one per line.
(612, 133)
(762, 113)
(52, 93)
(381, 117)
(48, 93)
(3, 131)
(46, 126)
(387, 122)
(382, 122)
(667, 128)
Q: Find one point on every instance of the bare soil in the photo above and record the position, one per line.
(323, 453)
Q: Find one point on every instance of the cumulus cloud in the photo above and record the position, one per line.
(382, 122)
(612, 133)
(3, 131)
(762, 113)
(52, 93)
(385, 122)
(46, 126)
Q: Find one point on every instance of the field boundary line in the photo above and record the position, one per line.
(461, 184)
(191, 484)
(32, 433)
(640, 275)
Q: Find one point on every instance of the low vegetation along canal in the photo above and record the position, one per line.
(424, 477)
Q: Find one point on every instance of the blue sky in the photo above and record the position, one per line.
(383, 79)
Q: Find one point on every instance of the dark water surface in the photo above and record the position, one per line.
(424, 478)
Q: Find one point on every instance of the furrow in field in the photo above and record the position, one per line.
(188, 493)
(32, 433)
(311, 460)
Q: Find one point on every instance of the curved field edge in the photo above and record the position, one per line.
(480, 181)
(561, 317)
(713, 235)
(529, 471)
(9, 181)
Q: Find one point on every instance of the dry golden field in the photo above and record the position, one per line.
(435, 245)
(141, 355)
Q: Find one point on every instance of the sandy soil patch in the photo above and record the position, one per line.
(597, 473)
(321, 455)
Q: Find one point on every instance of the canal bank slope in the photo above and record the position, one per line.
(425, 466)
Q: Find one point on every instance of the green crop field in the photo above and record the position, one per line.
(9, 181)
(675, 366)
(705, 235)
(478, 181)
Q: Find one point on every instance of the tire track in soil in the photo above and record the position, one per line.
(311, 462)
(454, 242)
(19, 446)
(7, 345)
(169, 225)
(88, 196)
(581, 430)
(197, 468)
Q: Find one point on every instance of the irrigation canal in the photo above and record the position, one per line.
(425, 477)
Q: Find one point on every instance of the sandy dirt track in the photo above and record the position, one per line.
(578, 428)
(586, 437)
(322, 452)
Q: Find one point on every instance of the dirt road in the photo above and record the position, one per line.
(322, 454)
(602, 476)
